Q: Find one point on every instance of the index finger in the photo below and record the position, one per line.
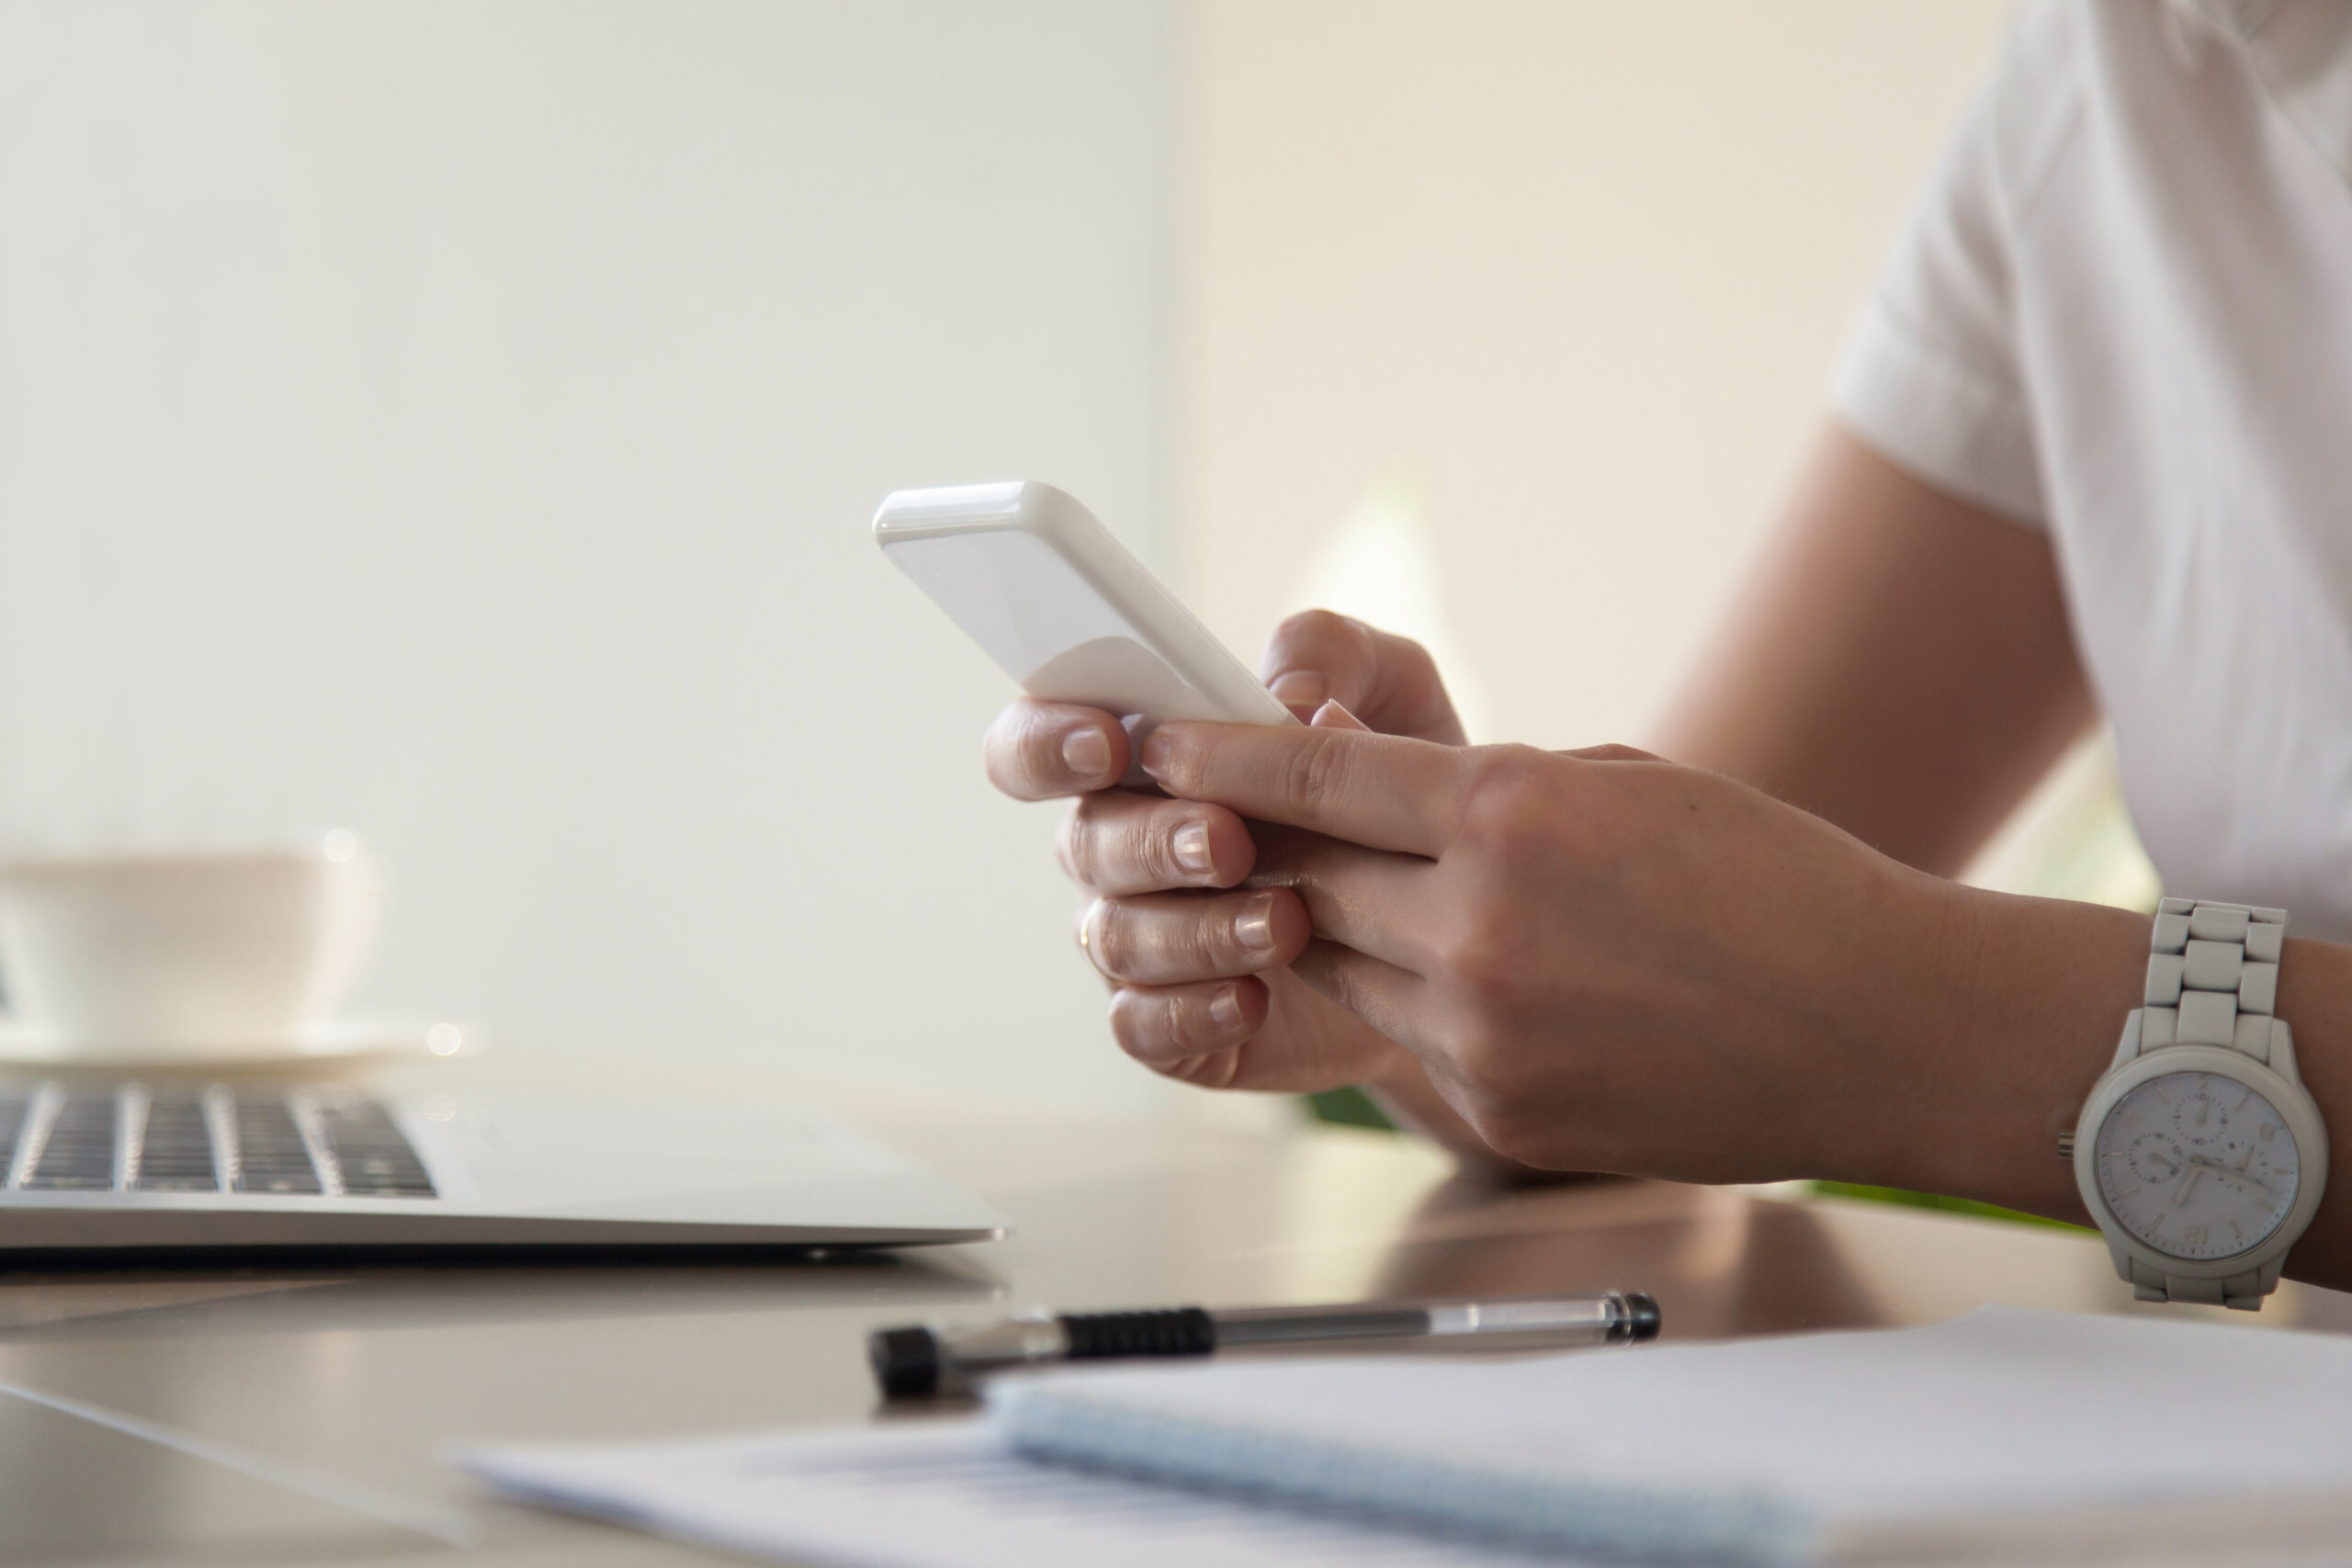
(1384, 792)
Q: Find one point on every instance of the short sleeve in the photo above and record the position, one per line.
(1930, 377)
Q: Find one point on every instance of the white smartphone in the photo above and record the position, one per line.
(1064, 608)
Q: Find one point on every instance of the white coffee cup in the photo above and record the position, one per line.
(184, 955)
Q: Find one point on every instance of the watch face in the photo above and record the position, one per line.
(2198, 1165)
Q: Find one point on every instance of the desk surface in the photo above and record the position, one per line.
(357, 1374)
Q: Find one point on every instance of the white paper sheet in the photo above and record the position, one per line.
(2020, 1436)
(936, 1495)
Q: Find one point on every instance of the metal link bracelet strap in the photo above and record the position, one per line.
(2212, 976)
(2213, 980)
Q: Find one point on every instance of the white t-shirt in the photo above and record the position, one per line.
(2122, 311)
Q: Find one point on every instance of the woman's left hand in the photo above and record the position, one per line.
(1608, 961)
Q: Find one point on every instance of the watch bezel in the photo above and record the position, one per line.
(2295, 1107)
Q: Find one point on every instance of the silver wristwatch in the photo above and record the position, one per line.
(2199, 1152)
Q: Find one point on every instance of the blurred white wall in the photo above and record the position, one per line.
(1570, 276)
(459, 419)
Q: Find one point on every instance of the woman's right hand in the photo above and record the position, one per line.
(1197, 959)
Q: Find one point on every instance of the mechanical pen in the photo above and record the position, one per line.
(922, 1360)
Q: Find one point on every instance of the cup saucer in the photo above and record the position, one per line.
(332, 1039)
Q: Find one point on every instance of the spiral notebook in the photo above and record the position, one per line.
(2024, 1436)
(2006, 1430)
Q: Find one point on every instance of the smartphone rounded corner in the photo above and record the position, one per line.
(1041, 584)
(942, 509)
(1060, 519)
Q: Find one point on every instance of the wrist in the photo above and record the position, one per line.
(1998, 1015)
(2315, 1001)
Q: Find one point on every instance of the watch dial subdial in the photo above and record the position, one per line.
(2200, 1119)
(2197, 1164)
(2157, 1158)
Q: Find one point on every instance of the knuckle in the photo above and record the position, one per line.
(1164, 1029)
(1181, 949)
(1486, 954)
(1334, 981)
(1190, 1027)
(1409, 651)
(1214, 948)
(1312, 968)
(1337, 982)
(1344, 650)
(1313, 628)
(1110, 844)
(1314, 622)
(1216, 1069)
(1510, 802)
(1159, 942)
(1317, 770)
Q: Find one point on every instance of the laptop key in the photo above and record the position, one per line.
(375, 1159)
(176, 1154)
(15, 1108)
(78, 1154)
(271, 1155)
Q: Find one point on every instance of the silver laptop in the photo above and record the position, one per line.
(98, 1165)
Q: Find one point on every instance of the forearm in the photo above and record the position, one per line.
(1899, 663)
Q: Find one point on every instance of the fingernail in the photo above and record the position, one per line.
(1255, 930)
(1154, 756)
(1225, 1006)
(1333, 715)
(1086, 753)
(1300, 688)
(1192, 849)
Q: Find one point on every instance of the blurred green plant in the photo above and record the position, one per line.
(1348, 1107)
(1933, 1200)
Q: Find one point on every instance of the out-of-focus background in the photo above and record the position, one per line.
(458, 419)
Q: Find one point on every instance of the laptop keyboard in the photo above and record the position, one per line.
(309, 1141)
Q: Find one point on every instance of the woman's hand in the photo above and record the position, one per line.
(1195, 959)
(1607, 962)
